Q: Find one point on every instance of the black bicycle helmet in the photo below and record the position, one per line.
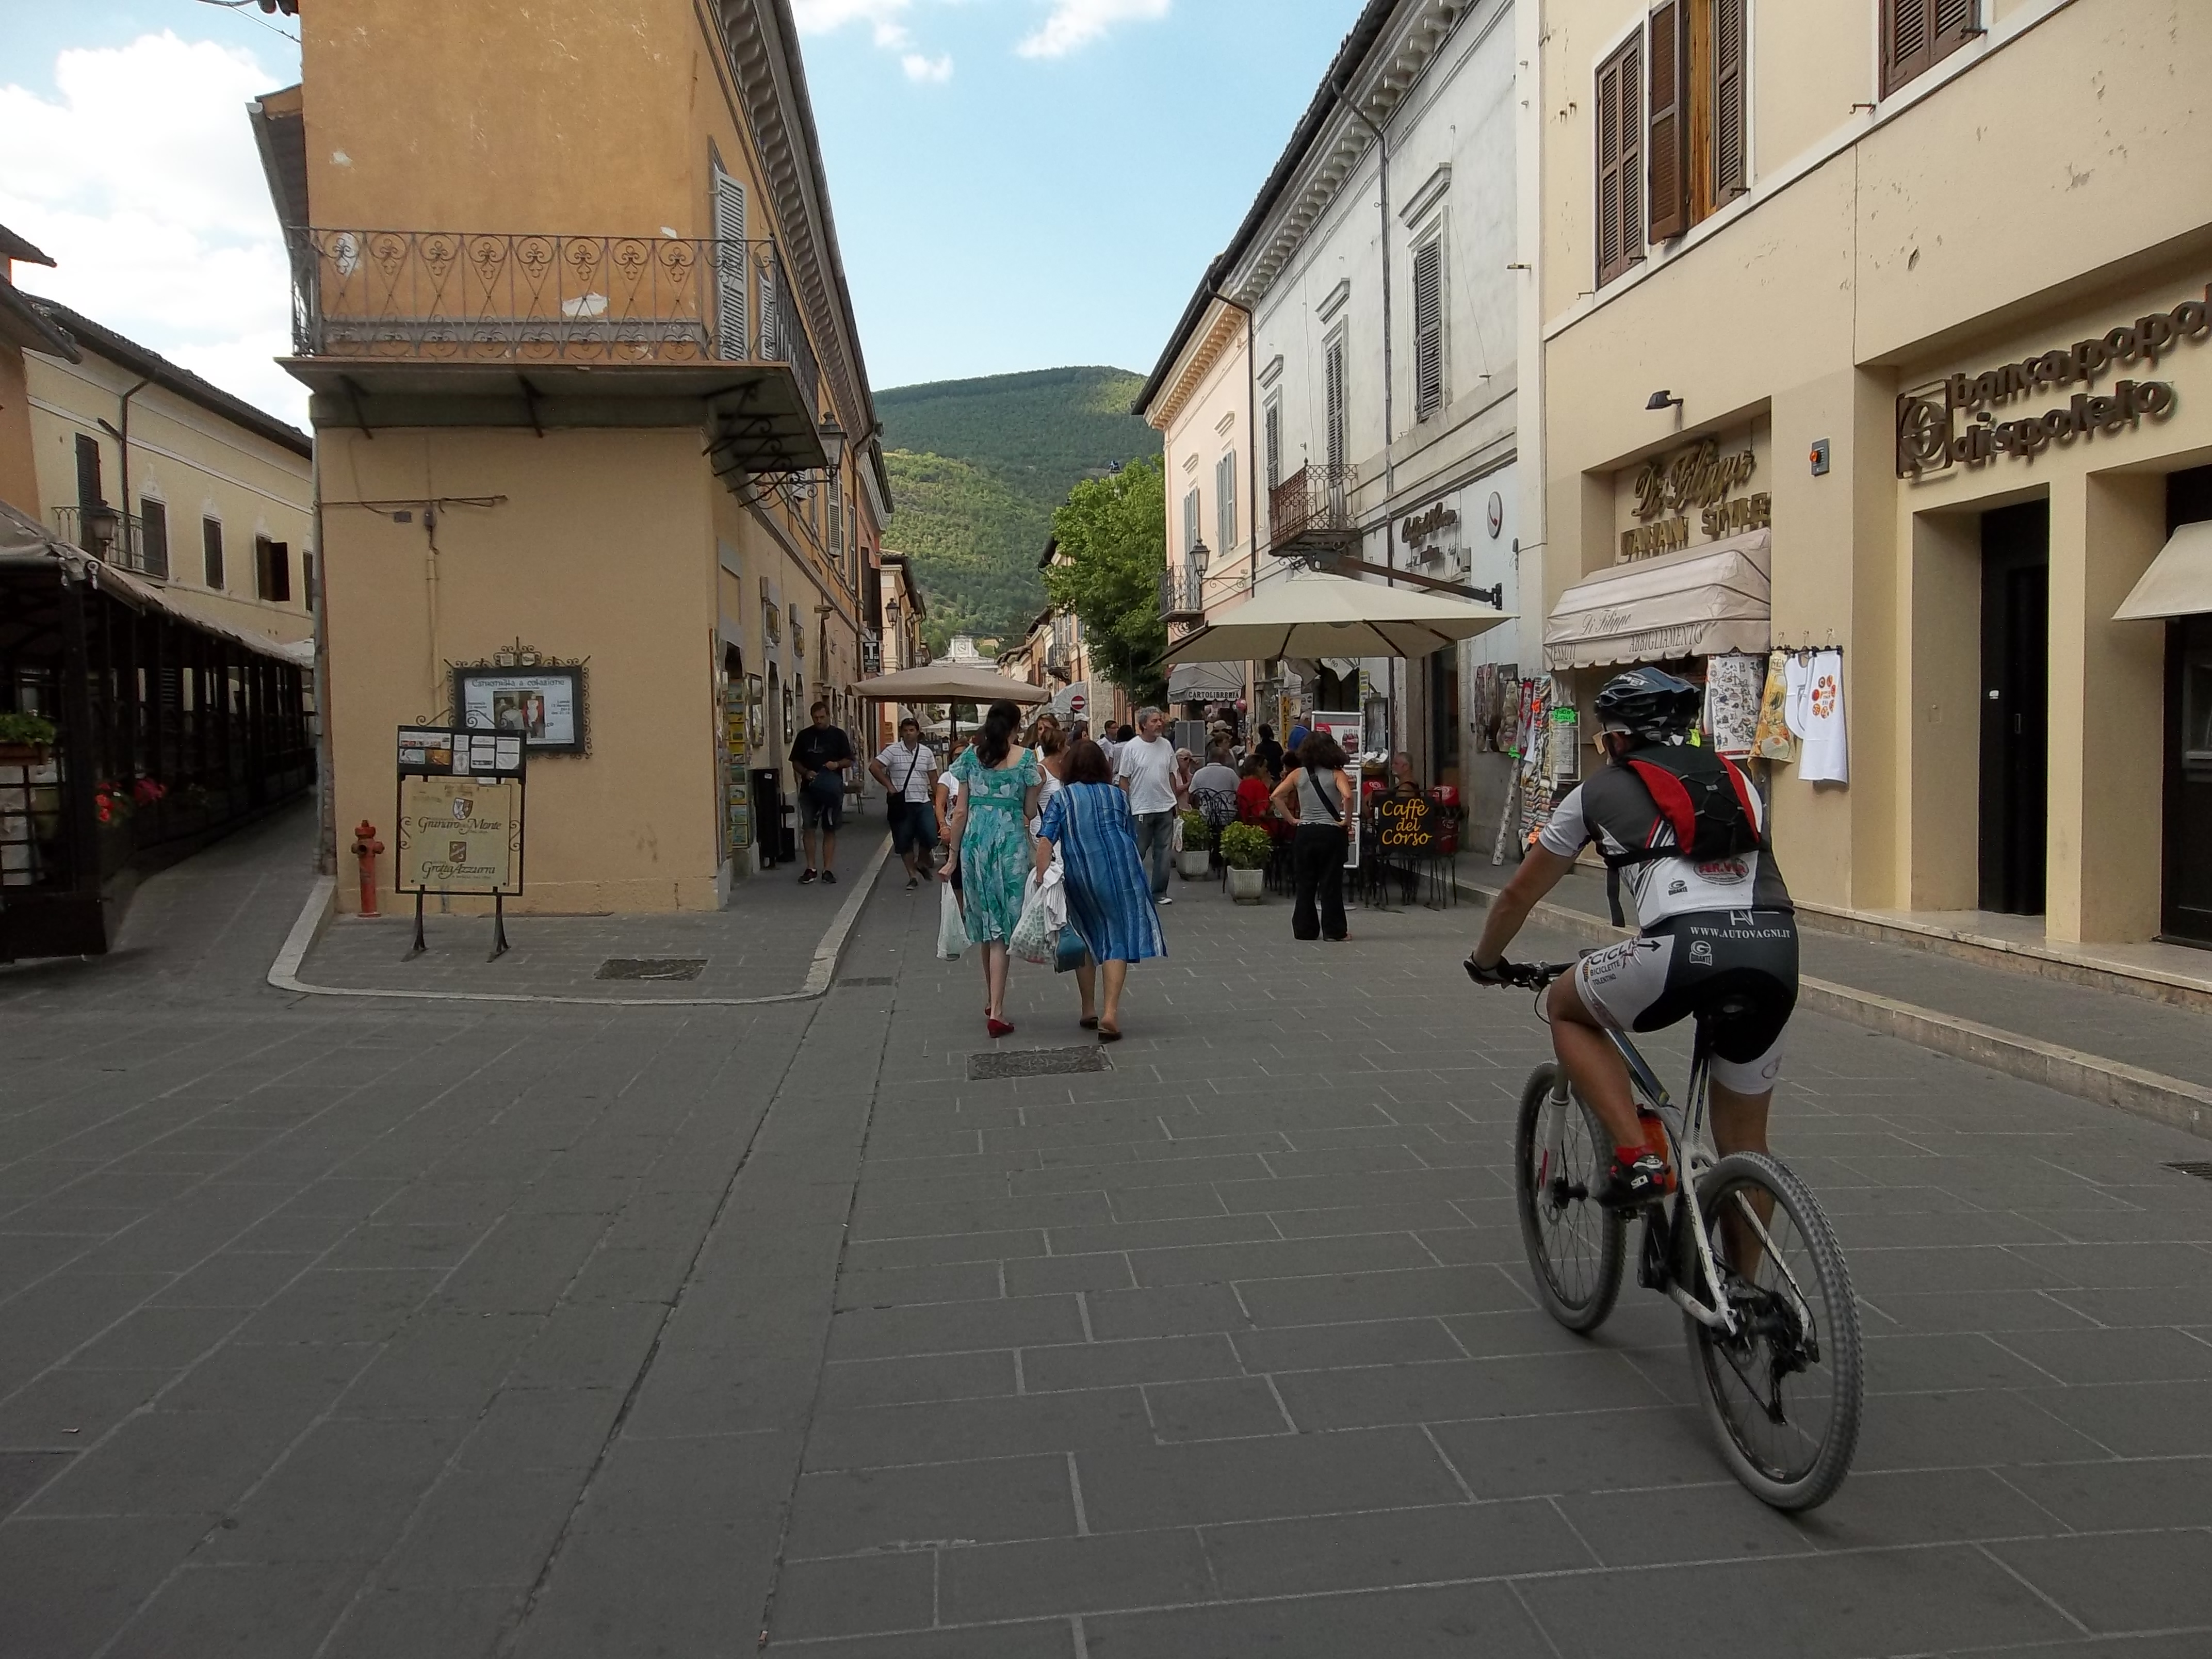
(1649, 703)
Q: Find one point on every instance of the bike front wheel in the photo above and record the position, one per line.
(1576, 1247)
(1784, 1393)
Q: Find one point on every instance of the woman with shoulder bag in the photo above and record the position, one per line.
(1319, 797)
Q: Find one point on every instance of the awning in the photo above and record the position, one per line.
(1316, 615)
(1704, 603)
(2179, 580)
(1205, 682)
(25, 541)
(948, 682)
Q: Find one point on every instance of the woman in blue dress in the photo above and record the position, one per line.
(999, 784)
(1109, 898)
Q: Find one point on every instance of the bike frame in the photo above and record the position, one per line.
(1692, 1154)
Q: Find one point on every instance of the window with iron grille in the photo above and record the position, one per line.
(153, 537)
(1224, 501)
(1429, 327)
(211, 552)
(1918, 34)
(1335, 393)
(1620, 160)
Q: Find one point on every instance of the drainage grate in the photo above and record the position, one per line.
(650, 968)
(2202, 1171)
(869, 979)
(1035, 1062)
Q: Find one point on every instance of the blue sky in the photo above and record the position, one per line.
(1018, 184)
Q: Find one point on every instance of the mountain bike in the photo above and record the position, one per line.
(1741, 1247)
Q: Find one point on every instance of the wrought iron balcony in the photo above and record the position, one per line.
(523, 301)
(1182, 596)
(127, 550)
(1309, 513)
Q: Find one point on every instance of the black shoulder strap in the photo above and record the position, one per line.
(1335, 813)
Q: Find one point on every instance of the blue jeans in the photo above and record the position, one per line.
(1156, 847)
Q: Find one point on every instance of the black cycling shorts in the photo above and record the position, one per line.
(1737, 968)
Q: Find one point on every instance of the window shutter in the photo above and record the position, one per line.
(731, 267)
(1225, 499)
(1669, 122)
(1917, 34)
(1190, 519)
(1619, 161)
(279, 582)
(1274, 419)
(307, 579)
(1332, 385)
(1428, 329)
(153, 537)
(771, 326)
(1731, 171)
(211, 552)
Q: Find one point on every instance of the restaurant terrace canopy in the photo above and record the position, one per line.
(1315, 615)
(946, 682)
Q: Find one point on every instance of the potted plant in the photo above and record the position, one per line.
(1197, 846)
(1245, 849)
(25, 740)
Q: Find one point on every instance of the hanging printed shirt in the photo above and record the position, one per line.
(1827, 757)
(1772, 741)
(1732, 687)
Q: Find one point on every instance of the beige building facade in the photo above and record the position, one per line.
(211, 498)
(595, 425)
(1902, 307)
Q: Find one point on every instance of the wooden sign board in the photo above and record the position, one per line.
(459, 835)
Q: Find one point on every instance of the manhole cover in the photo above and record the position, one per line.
(650, 968)
(2202, 1171)
(1035, 1062)
(869, 979)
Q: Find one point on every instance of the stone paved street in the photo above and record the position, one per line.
(340, 1330)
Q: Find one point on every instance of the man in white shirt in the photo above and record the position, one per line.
(904, 768)
(1145, 769)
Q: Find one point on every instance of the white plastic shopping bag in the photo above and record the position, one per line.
(951, 926)
(1036, 939)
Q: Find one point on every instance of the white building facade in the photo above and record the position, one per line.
(1378, 269)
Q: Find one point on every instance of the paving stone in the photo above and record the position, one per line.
(2133, 1419)
(1141, 1359)
(996, 1501)
(68, 1585)
(1253, 1479)
(384, 1468)
(1071, 1575)
(847, 1385)
(1220, 1409)
(1181, 1310)
(950, 1430)
(483, 1528)
(879, 1333)
(67, 1410)
(1422, 1624)
(1377, 1550)
(2117, 1582)
(854, 1594)
(166, 1463)
(428, 1622)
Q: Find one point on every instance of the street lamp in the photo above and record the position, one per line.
(833, 441)
(100, 524)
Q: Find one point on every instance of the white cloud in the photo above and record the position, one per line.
(143, 182)
(887, 27)
(1076, 23)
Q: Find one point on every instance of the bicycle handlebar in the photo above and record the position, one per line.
(1522, 975)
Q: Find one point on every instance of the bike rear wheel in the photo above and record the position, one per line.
(1576, 1248)
(1784, 1394)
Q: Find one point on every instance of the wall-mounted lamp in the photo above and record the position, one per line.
(833, 442)
(101, 524)
(1662, 399)
(1199, 554)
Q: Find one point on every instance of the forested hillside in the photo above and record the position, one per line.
(977, 467)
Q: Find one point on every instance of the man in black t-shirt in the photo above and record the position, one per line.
(819, 756)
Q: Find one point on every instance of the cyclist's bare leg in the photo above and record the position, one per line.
(1740, 1125)
(1593, 1064)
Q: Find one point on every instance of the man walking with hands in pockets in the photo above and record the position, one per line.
(1147, 769)
(905, 769)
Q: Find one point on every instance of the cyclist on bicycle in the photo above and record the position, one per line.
(1719, 938)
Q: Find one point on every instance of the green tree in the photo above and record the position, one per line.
(1113, 536)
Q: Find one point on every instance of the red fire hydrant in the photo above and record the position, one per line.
(366, 847)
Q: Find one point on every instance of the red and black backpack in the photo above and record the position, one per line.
(1704, 798)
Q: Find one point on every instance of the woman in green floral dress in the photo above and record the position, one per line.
(989, 835)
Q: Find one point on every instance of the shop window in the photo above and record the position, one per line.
(211, 552)
(1918, 34)
(1429, 328)
(154, 537)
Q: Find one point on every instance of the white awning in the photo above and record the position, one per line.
(2179, 580)
(1710, 600)
(1205, 682)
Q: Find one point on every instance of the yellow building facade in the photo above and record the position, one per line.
(584, 369)
(1908, 303)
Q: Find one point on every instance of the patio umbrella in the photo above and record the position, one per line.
(946, 682)
(1316, 615)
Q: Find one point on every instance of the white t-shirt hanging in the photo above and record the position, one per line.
(1826, 756)
(1797, 685)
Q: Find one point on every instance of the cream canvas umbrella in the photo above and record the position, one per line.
(1315, 615)
(946, 682)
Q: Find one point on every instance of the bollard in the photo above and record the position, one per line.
(366, 847)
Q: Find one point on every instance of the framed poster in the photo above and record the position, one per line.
(544, 705)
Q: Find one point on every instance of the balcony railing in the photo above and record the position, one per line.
(1310, 512)
(1182, 596)
(503, 297)
(128, 551)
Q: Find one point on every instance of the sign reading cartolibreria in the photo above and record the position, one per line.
(1955, 420)
(1696, 478)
